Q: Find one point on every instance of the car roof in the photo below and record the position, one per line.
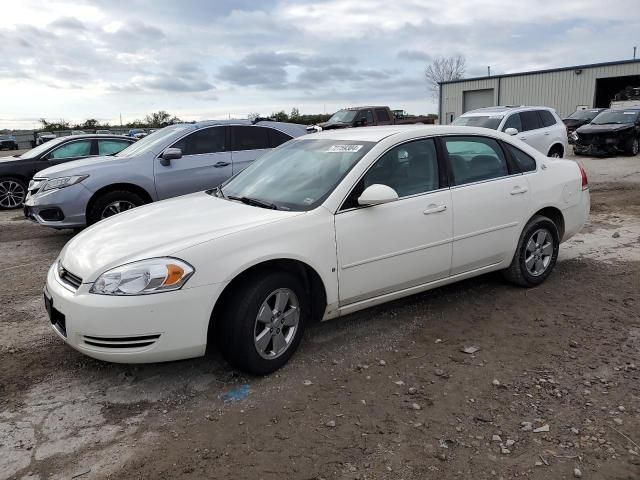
(504, 110)
(376, 134)
(293, 129)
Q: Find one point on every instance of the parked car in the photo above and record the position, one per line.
(42, 137)
(383, 212)
(104, 131)
(77, 132)
(17, 171)
(9, 142)
(579, 118)
(136, 133)
(611, 132)
(176, 160)
(368, 117)
(540, 127)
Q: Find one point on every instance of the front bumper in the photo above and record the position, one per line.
(61, 208)
(131, 329)
(598, 146)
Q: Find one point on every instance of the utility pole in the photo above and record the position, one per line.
(634, 52)
(120, 118)
(488, 70)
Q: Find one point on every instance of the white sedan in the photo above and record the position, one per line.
(325, 225)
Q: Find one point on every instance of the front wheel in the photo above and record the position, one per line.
(112, 203)
(263, 322)
(631, 147)
(536, 254)
(12, 193)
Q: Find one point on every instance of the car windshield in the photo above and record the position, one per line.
(298, 175)
(584, 114)
(150, 142)
(487, 121)
(343, 116)
(616, 116)
(40, 149)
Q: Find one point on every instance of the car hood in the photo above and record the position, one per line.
(160, 229)
(12, 158)
(574, 122)
(334, 125)
(79, 166)
(611, 128)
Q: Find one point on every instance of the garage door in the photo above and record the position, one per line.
(473, 99)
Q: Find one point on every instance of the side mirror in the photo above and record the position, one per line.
(511, 131)
(377, 194)
(170, 154)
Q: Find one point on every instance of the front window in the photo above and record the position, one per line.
(343, 116)
(616, 116)
(73, 149)
(151, 142)
(298, 175)
(484, 121)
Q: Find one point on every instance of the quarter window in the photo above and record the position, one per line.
(208, 140)
(277, 138)
(410, 169)
(250, 138)
(111, 147)
(524, 161)
(73, 149)
(474, 159)
(513, 122)
(548, 120)
(530, 120)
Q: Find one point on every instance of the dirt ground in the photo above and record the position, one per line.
(383, 394)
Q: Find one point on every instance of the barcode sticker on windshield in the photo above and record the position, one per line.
(629, 113)
(344, 148)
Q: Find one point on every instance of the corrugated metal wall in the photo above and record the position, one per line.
(563, 90)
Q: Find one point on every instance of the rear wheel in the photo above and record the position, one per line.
(555, 152)
(536, 254)
(112, 203)
(631, 147)
(263, 322)
(12, 193)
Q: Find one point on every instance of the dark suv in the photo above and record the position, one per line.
(611, 132)
(16, 171)
(9, 142)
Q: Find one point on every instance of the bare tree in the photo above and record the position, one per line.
(443, 69)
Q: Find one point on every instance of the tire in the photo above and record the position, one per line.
(555, 152)
(531, 274)
(242, 326)
(12, 193)
(631, 146)
(111, 203)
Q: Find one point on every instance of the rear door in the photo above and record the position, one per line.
(205, 163)
(489, 198)
(248, 142)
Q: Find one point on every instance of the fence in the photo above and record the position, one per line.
(26, 139)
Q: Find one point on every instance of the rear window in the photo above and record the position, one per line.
(524, 161)
(491, 122)
(382, 115)
(548, 120)
(249, 138)
(277, 138)
(530, 120)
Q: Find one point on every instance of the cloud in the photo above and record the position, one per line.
(68, 23)
(414, 55)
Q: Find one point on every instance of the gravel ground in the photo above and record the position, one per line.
(552, 393)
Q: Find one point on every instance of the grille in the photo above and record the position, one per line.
(69, 278)
(121, 343)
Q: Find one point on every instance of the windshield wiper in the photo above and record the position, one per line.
(254, 202)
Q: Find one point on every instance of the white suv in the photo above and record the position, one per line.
(540, 127)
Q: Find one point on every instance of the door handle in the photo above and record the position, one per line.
(221, 164)
(433, 208)
(523, 139)
(546, 133)
(519, 190)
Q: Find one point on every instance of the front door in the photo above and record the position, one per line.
(489, 201)
(205, 163)
(398, 245)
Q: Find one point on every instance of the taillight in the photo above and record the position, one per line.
(583, 174)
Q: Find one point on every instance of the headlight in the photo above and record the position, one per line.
(574, 135)
(62, 182)
(147, 276)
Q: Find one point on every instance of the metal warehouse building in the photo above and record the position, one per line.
(564, 89)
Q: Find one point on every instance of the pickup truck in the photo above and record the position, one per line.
(368, 117)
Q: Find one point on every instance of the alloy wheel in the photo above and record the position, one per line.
(116, 207)
(539, 252)
(11, 194)
(276, 324)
